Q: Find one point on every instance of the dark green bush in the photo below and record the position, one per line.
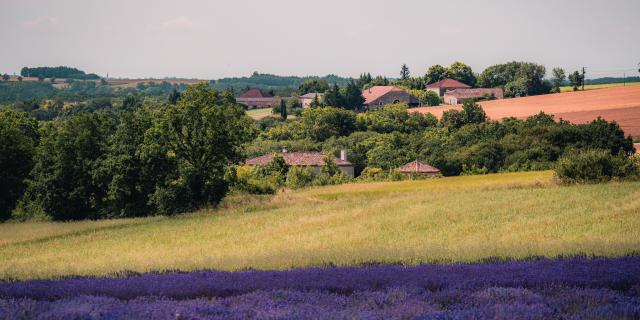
(596, 165)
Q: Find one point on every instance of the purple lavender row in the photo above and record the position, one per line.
(615, 274)
(393, 303)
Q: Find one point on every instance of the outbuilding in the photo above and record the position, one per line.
(314, 160)
(417, 167)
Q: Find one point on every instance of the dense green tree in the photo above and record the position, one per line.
(333, 97)
(395, 118)
(461, 72)
(174, 96)
(205, 138)
(325, 122)
(558, 78)
(576, 79)
(517, 78)
(68, 180)
(131, 102)
(283, 109)
(18, 139)
(5, 77)
(313, 85)
(57, 72)
(435, 73)
(352, 98)
(472, 113)
(133, 174)
(404, 72)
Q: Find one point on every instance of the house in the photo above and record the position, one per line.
(378, 96)
(305, 100)
(443, 85)
(256, 98)
(456, 96)
(314, 160)
(419, 168)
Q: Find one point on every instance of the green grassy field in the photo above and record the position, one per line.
(458, 219)
(258, 114)
(599, 86)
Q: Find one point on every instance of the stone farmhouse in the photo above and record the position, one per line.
(456, 96)
(314, 160)
(379, 96)
(454, 91)
(256, 98)
(306, 99)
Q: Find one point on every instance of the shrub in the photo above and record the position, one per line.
(595, 165)
(300, 177)
(372, 174)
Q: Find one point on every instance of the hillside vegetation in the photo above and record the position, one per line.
(458, 219)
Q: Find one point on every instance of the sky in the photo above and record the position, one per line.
(210, 39)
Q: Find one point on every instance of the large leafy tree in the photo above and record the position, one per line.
(68, 180)
(558, 78)
(517, 78)
(18, 140)
(204, 138)
(435, 73)
(313, 85)
(322, 123)
(461, 72)
(352, 98)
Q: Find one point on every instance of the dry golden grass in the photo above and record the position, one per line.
(460, 219)
(599, 86)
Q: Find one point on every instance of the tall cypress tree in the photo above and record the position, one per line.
(283, 109)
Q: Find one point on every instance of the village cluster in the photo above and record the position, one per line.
(451, 92)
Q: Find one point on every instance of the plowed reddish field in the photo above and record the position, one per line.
(621, 104)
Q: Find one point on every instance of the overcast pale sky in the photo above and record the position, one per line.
(214, 39)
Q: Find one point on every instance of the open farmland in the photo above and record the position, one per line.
(600, 86)
(621, 104)
(459, 219)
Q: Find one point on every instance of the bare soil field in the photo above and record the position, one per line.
(621, 104)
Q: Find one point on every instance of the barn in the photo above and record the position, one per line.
(314, 160)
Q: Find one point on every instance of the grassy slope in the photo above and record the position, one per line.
(258, 114)
(599, 86)
(452, 219)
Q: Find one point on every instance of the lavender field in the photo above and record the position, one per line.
(576, 288)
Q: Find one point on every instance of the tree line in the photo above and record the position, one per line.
(57, 72)
(137, 162)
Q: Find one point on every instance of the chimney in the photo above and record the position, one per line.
(343, 155)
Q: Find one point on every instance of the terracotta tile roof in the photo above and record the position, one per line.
(418, 167)
(448, 83)
(314, 159)
(312, 95)
(376, 92)
(463, 93)
(254, 93)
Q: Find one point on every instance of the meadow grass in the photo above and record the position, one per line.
(599, 86)
(458, 219)
(259, 113)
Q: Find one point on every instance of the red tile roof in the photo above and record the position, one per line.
(418, 167)
(312, 95)
(376, 92)
(254, 93)
(314, 159)
(448, 83)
